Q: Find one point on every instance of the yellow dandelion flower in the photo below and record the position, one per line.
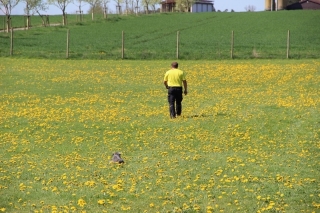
(196, 207)
(316, 205)
(101, 202)
(81, 202)
(185, 206)
(125, 208)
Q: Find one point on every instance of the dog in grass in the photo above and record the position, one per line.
(116, 158)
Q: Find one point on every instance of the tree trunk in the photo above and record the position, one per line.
(8, 23)
(47, 20)
(64, 18)
(105, 13)
(42, 18)
(28, 22)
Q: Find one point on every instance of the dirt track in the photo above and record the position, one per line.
(24, 28)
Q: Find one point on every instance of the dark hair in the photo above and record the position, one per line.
(174, 64)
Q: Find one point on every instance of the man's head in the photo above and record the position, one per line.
(174, 64)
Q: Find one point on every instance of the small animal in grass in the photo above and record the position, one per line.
(116, 158)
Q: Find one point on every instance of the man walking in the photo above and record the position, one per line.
(174, 79)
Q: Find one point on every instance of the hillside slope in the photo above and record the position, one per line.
(201, 36)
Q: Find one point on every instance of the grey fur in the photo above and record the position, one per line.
(116, 158)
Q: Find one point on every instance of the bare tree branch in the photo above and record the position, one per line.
(250, 8)
(62, 5)
(6, 6)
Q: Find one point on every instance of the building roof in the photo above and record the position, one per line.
(304, 4)
(314, 1)
(200, 1)
(306, 1)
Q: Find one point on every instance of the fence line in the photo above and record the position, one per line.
(11, 43)
(179, 47)
(178, 35)
(241, 46)
(68, 40)
(122, 47)
(288, 43)
(232, 43)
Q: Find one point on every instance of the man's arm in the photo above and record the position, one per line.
(185, 85)
(166, 84)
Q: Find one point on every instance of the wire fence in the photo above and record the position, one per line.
(180, 49)
(76, 44)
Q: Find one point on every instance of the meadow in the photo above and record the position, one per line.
(248, 139)
(202, 36)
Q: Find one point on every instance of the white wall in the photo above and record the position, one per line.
(198, 8)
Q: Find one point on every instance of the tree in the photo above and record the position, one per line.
(94, 4)
(62, 5)
(184, 5)
(129, 6)
(80, 11)
(6, 7)
(118, 5)
(98, 9)
(154, 3)
(250, 8)
(105, 8)
(126, 3)
(137, 6)
(35, 6)
(146, 4)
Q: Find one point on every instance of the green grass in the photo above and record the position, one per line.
(248, 139)
(19, 21)
(202, 36)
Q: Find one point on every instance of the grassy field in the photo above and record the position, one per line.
(19, 21)
(248, 140)
(203, 36)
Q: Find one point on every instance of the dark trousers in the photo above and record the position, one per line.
(175, 99)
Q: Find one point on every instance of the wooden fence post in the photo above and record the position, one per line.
(11, 42)
(68, 37)
(9, 24)
(178, 34)
(28, 22)
(288, 43)
(232, 43)
(25, 22)
(47, 20)
(105, 14)
(122, 49)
